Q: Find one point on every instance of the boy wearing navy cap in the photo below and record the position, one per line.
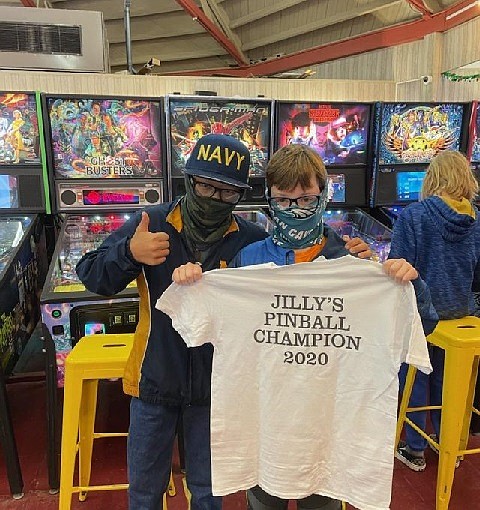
(165, 378)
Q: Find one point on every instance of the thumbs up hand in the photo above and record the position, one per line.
(150, 248)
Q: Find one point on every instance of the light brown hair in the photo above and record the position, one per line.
(449, 173)
(295, 164)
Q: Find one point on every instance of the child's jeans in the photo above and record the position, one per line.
(427, 390)
(150, 444)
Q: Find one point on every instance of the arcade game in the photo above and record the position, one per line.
(23, 260)
(408, 136)
(249, 120)
(23, 201)
(341, 134)
(107, 159)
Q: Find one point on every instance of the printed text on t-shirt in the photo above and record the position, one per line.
(307, 321)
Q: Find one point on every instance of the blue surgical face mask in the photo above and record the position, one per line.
(296, 227)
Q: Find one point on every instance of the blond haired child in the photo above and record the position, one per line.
(440, 237)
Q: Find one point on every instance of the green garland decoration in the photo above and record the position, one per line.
(460, 77)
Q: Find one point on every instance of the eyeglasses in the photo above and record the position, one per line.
(229, 196)
(305, 202)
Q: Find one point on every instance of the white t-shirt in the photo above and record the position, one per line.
(305, 374)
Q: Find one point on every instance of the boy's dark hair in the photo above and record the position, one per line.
(295, 164)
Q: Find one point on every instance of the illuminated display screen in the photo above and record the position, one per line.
(19, 137)
(102, 197)
(8, 192)
(249, 121)
(416, 133)
(105, 138)
(409, 185)
(94, 328)
(336, 188)
(337, 132)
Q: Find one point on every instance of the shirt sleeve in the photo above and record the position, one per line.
(415, 351)
(178, 302)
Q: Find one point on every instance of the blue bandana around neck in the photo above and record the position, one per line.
(296, 228)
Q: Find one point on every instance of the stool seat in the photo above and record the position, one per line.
(94, 357)
(460, 339)
(463, 333)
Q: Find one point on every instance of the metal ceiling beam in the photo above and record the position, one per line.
(273, 8)
(419, 5)
(192, 8)
(447, 19)
(433, 5)
(281, 35)
(217, 13)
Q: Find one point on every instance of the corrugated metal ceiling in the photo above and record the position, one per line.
(241, 36)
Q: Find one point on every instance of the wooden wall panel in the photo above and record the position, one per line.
(375, 65)
(145, 86)
(461, 45)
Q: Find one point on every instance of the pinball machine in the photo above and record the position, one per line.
(342, 134)
(106, 157)
(23, 259)
(408, 136)
(250, 120)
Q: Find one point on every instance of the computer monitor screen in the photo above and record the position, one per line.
(336, 185)
(8, 192)
(409, 185)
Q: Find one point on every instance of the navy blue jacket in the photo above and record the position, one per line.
(161, 368)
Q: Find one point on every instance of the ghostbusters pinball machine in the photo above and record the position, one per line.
(249, 120)
(23, 259)
(341, 133)
(107, 160)
(408, 136)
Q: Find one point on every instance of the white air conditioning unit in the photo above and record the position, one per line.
(52, 40)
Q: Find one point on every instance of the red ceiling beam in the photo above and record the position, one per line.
(419, 5)
(400, 34)
(198, 15)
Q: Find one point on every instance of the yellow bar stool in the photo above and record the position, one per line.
(460, 339)
(93, 358)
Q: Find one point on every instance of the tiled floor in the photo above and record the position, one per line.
(411, 491)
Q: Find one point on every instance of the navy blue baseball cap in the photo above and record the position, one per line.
(222, 158)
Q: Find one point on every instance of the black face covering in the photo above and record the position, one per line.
(205, 220)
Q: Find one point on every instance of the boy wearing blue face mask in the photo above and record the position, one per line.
(297, 194)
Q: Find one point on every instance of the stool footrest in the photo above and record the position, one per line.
(469, 452)
(421, 432)
(424, 408)
(99, 435)
(90, 488)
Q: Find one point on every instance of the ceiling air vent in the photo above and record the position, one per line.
(41, 38)
(52, 40)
